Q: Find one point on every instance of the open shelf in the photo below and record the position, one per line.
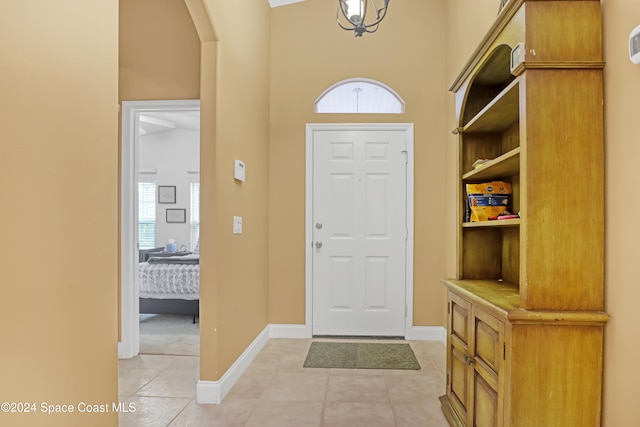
(493, 223)
(506, 165)
(502, 112)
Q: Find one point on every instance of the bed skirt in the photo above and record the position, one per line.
(170, 306)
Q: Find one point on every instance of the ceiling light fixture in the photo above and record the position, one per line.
(352, 15)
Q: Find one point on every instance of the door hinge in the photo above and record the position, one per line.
(504, 351)
(406, 156)
(406, 311)
(406, 234)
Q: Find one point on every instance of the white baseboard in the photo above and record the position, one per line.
(289, 331)
(416, 333)
(214, 392)
(209, 392)
(427, 333)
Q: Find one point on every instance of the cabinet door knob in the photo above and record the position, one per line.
(468, 359)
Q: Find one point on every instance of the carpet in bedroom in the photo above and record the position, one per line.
(169, 335)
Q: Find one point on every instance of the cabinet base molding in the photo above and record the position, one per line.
(451, 415)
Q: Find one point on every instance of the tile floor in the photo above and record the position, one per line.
(277, 391)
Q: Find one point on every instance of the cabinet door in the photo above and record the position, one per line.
(459, 373)
(488, 361)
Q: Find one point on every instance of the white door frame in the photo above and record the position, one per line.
(129, 344)
(313, 127)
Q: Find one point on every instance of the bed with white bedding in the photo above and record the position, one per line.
(170, 285)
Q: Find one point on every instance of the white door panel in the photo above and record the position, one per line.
(359, 235)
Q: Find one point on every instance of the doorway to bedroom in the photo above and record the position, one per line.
(160, 228)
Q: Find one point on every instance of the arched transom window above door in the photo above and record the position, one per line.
(359, 96)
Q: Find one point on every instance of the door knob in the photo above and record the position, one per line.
(318, 245)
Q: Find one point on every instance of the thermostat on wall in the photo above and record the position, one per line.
(239, 170)
(634, 45)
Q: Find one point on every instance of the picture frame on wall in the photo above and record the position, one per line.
(166, 194)
(176, 216)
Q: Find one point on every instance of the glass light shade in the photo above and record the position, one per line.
(352, 15)
(355, 10)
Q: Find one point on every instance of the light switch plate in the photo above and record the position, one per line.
(239, 170)
(237, 225)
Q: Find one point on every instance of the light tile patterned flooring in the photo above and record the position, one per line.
(277, 391)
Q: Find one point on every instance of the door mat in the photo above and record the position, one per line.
(361, 356)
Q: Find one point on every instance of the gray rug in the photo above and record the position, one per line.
(361, 356)
(169, 335)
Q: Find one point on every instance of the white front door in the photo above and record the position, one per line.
(359, 231)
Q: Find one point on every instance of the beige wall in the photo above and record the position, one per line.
(59, 162)
(159, 51)
(309, 54)
(234, 290)
(164, 56)
(622, 175)
(466, 21)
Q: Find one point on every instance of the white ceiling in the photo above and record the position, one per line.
(276, 3)
(157, 122)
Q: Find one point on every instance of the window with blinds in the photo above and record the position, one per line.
(146, 214)
(194, 220)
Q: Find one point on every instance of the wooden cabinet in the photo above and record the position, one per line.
(512, 367)
(476, 362)
(525, 320)
(458, 378)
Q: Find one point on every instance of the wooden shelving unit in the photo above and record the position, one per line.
(525, 312)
